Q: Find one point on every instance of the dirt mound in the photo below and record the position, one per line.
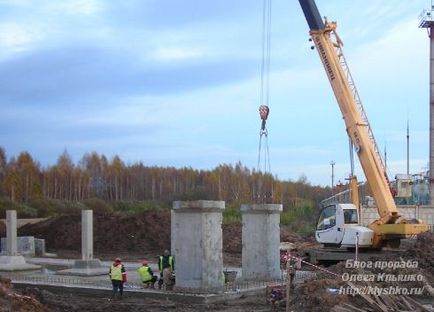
(148, 231)
(232, 238)
(12, 301)
(423, 252)
(317, 295)
(2, 229)
(301, 243)
(123, 235)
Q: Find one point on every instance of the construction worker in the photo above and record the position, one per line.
(166, 265)
(146, 275)
(118, 276)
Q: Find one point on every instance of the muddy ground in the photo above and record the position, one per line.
(70, 302)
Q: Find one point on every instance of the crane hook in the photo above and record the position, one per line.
(263, 113)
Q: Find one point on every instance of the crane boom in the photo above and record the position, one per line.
(329, 47)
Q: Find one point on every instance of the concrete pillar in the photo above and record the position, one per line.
(13, 261)
(87, 266)
(86, 234)
(197, 242)
(11, 233)
(260, 241)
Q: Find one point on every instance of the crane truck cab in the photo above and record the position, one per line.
(338, 226)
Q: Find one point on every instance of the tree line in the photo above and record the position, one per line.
(22, 179)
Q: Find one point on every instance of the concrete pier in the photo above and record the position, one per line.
(197, 243)
(260, 241)
(87, 235)
(87, 266)
(13, 261)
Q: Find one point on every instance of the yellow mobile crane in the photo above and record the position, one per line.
(338, 224)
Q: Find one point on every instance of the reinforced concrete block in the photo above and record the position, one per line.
(197, 242)
(260, 241)
(40, 247)
(25, 245)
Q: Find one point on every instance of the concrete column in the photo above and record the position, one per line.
(261, 240)
(87, 266)
(86, 234)
(197, 242)
(11, 232)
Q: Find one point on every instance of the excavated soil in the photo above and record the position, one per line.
(68, 302)
(2, 229)
(113, 234)
(321, 294)
(132, 236)
(13, 301)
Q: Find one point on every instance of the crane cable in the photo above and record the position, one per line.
(265, 86)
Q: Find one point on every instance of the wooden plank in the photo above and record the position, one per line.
(354, 308)
(419, 305)
(380, 304)
(367, 298)
(428, 287)
(407, 303)
(390, 301)
(340, 309)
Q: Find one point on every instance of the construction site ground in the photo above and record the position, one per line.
(147, 235)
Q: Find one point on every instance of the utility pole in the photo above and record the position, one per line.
(427, 21)
(408, 149)
(332, 163)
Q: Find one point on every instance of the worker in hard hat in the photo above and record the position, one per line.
(146, 275)
(166, 265)
(118, 276)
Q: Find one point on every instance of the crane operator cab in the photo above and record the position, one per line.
(338, 226)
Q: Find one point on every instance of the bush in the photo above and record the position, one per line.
(301, 218)
(43, 206)
(23, 211)
(98, 206)
(136, 206)
(232, 214)
(68, 207)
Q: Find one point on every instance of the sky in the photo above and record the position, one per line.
(177, 83)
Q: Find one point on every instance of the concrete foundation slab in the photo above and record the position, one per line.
(260, 241)
(16, 263)
(197, 244)
(85, 268)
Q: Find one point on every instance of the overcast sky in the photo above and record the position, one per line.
(177, 82)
